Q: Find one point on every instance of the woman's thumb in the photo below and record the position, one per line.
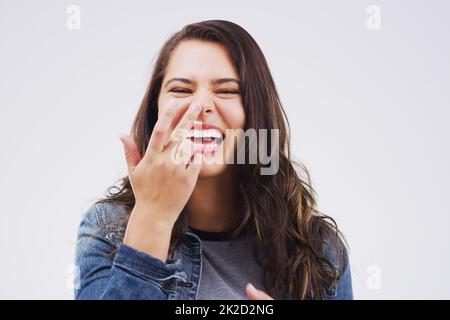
(131, 151)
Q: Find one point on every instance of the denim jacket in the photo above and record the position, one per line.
(129, 273)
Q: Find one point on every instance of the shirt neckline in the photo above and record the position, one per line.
(211, 236)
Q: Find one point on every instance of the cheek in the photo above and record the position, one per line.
(233, 114)
(164, 101)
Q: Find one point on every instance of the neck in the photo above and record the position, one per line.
(212, 206)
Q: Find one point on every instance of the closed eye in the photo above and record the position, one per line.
(180, 90)
(225, 91)
(229, 91)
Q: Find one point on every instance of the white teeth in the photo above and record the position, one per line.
(207, 133)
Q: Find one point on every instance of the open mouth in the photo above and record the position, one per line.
(206, 136)
(210, 139)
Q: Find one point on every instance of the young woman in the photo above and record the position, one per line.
(183, 227)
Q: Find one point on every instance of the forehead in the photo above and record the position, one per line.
(198, 59)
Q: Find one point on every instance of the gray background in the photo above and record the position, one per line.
(369, 111)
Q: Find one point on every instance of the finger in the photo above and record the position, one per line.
(132, 155)
(183, 152)
(196, 164)
(189, 117)
(187, 121)
(160, 133)
(255, 294)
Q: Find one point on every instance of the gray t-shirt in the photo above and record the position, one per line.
(227, 266)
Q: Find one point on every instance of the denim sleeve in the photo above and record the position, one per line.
(126, 274)
(343, 290)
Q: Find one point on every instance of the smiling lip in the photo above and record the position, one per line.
(209, 144)
(204, 126)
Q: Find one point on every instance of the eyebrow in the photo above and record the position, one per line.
(216, 81)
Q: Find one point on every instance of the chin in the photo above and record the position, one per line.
(211, 170)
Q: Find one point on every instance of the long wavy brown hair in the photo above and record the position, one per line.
(296, 238)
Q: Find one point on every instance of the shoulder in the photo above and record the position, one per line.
(330, 241)
(336, 253)
(104, 219)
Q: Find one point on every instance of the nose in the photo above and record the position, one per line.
(205, 99)
(207, 109)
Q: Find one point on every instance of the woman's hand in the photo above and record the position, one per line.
(162, 181)
(255, 294)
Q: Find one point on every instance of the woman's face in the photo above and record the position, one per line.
(202, 72)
